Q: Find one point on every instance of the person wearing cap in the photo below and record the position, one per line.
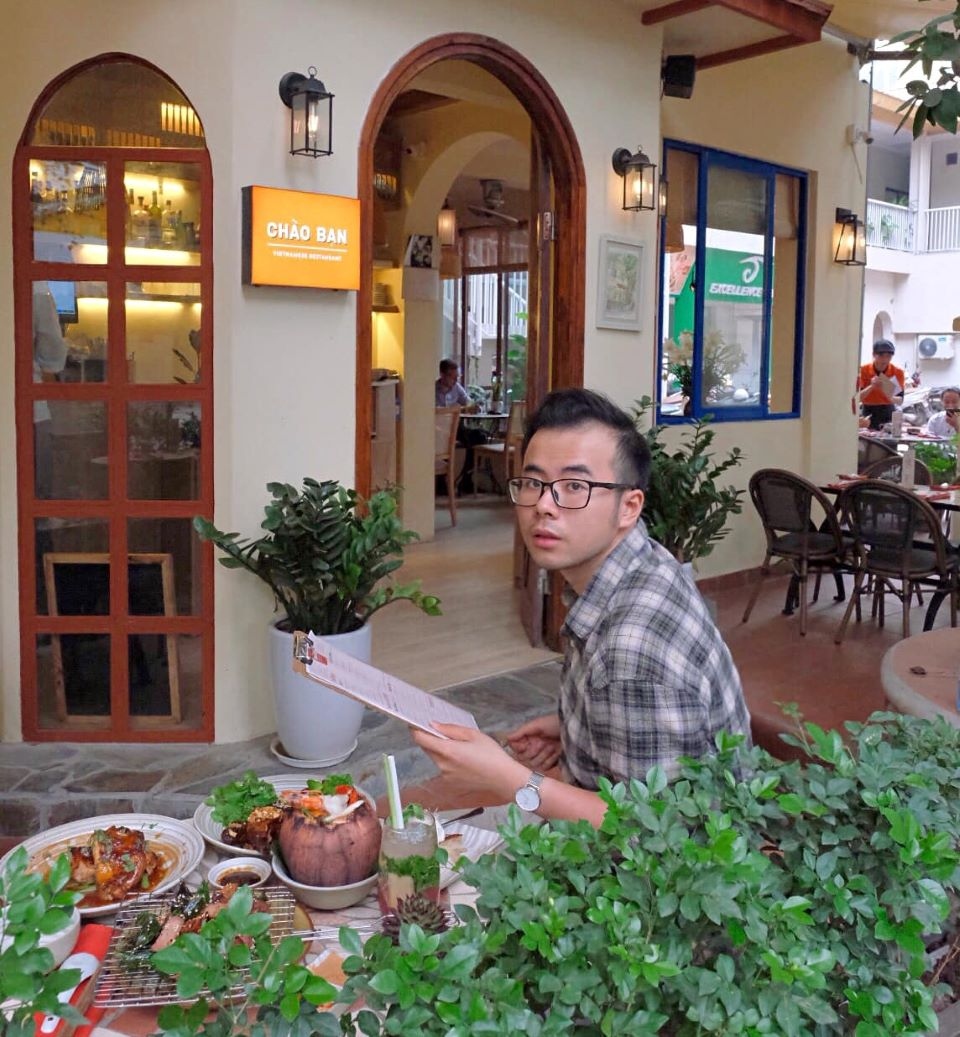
(880, 384)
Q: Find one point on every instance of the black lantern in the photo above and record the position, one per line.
(851, 239)
(639, 177)
(311, 113)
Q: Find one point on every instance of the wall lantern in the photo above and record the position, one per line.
(311, 113)
(639, 176)
(851, 239)
(662, 198)
(447, 226)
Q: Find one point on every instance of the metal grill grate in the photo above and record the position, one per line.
(120, 986)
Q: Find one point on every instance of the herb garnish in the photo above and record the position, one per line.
(425, 871)
(413, 810)
(329, 785)
(238, 799)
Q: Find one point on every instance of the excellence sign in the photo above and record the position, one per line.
(300, 239)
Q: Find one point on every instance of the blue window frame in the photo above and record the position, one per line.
(733, 262)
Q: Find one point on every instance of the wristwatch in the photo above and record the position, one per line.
(527, 797)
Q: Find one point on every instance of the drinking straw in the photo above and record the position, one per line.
(393, 791)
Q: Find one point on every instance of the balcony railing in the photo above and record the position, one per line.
(942, 229)
(889, 226)
(896, 227)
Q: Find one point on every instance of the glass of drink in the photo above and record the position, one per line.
(408, 861)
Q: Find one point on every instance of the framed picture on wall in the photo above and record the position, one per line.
(619, 283)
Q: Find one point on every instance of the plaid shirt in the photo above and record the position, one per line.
(646, 675)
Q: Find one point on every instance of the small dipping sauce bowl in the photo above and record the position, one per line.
(240, 871)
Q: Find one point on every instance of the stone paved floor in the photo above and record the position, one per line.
(47, 784)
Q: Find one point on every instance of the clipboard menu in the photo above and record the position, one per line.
(329, 666)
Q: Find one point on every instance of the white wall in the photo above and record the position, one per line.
(944, 179)
(887, 168)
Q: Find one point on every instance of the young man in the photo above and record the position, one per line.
(881, 384)
(447, 388)
(946, 422)
(646, 677)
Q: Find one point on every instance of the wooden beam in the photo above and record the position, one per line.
(673, 10)
(802, 19)
(753, 50)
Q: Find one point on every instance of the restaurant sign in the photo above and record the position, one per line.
(300, 239)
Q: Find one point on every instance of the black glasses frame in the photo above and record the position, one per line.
(516, 485)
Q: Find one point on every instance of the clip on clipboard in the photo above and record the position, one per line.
(327, 665)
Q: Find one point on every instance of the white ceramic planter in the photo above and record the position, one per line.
(314, 723)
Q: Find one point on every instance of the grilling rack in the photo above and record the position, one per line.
(119, 986)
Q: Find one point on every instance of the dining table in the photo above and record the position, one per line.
(319, 929)
(908, 437)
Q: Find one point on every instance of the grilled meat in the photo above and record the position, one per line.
(116, 861)
(258, 832)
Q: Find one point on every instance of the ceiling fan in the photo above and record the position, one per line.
(493, 203)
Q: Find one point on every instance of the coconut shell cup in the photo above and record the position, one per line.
(318, 854)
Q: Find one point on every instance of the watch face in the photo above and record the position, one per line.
(527, 798)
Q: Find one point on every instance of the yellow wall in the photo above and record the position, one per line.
(793, 108)
(284, 362)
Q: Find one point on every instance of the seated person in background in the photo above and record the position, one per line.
(946, 422)
(450, 393)
(647, 677)
(880, 384)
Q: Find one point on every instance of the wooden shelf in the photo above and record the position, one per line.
(385, 309)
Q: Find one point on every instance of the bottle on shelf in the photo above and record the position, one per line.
(155, 214)
(140, 220)
(36, 188)
(170, 232)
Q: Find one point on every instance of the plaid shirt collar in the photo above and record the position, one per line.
(635, 551)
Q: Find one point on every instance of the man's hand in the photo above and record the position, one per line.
(537, 742)
(472, 761)
(953, 420)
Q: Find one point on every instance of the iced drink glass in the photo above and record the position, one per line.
(407, 863)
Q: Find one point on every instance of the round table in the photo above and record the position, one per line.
(919, 674)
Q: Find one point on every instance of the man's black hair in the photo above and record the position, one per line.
(884, 345)
(570, 408)
(447, 365)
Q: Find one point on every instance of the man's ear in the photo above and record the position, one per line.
(631, 505)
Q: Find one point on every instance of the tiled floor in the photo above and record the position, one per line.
(42, 785)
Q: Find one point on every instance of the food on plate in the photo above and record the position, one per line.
(330, 834)
(113, 863)
(249, 810)
(453, 844)
(186, 912)
(258, 832)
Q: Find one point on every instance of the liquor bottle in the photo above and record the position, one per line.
(171, 229)
(36, 191)
(140, 219)
(155, 214)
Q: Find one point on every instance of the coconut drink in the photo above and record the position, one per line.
(330, 833)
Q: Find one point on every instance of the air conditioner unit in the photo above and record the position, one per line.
(935, 347)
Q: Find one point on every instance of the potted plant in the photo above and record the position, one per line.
(38, 926)
(750, 896)
(685, 507)
(326, 555)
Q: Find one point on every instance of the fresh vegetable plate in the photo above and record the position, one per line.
(212, 830)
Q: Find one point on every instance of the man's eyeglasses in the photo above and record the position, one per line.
(567, 493)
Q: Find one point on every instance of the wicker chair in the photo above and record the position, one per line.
(785, 503)
(445, 424)
(869, 451)
(899, 545)
(891, 469)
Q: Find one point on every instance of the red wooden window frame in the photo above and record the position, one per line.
(115, 393)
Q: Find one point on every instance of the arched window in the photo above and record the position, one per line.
(113, 290)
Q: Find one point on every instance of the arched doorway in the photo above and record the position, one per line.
(557, 247)
(112, 222)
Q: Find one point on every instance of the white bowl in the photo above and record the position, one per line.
(222, 872)
(60, 943)
(327, 898)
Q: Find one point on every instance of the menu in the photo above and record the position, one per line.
(322, 662)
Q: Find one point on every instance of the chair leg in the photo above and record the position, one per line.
(906, 597)
(802, 590)
(841, 592)
(854, 600)
(451, 495)
(764, 573)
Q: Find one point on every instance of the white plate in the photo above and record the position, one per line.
(212, 830)
(178, 843)
(309, 765)
(476, 842)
